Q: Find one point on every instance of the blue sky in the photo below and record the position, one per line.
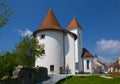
(100, 20)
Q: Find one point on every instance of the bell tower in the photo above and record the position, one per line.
(75, 28)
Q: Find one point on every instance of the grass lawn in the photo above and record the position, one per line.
(95, 79)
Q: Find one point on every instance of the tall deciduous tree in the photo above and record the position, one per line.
(7, 64)
(24, 54)
(4, 12)
(27, 50)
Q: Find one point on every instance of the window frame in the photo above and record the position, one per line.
(42, 36)
(52, 67)
(88, 62)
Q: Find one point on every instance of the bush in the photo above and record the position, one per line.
(7, 64)
(5, 77)
(115, 74)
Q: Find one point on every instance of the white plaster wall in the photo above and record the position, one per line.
(79, 33)
(75, 31)
(53, 50)
(119, 60)
(78, 48)
(90, 70)
(111, 69)
(70, 53)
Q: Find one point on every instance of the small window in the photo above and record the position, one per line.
(51, 68)
(42, 36)
(88, 64)
(43, 51)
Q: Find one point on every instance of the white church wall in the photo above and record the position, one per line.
(53, 42)
(78, 49)
(90, 69)
(79, 34)
(70, 53)
(74, 30)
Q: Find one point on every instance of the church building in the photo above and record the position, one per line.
(63, 47)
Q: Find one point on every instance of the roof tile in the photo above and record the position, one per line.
(86, 53)
(74, 24)
(50, 21)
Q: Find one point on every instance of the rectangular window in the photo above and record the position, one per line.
(88, 64)
(42, 36)
(51, 68)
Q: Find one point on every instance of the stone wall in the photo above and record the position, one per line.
(26, 75)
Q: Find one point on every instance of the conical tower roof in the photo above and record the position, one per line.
(50, 21)
(74, 24)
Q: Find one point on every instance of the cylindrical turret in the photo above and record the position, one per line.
(53, 41)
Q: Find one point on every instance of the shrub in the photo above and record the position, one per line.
(115, 74)
(5, 77)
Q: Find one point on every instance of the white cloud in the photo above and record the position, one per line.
(25, 33)
(109, 46)
(107, 61)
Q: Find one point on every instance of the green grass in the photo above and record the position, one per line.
(95, 79)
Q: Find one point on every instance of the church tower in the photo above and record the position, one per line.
(75, 28)
(51, 35)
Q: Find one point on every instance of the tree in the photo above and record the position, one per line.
(24, 54)
(4, 12)
(7, 64)
(26, 51)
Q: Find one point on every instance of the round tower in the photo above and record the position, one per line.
(51, 35)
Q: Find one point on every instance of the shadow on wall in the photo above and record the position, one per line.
(66, 45)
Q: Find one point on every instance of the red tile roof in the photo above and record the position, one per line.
(74, 24)
(115, 65)
(86, 53)
(50, 21)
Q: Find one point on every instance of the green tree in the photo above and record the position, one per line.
(26, 51)
(24, 54)
(4, 12)
(7, 64)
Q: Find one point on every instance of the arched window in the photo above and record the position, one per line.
(88, 64)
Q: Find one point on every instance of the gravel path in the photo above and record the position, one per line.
(54, 79)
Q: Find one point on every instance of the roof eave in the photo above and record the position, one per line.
(62, 30)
